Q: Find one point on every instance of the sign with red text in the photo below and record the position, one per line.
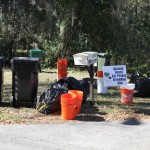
(114, 75)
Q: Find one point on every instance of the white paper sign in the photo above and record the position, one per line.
(114, 75)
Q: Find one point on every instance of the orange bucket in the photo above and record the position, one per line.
(62, 75)
(99, 73)
(79, 95)
(126, 96)
(62, 68)
(68, 106)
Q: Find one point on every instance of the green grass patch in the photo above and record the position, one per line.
(10, 118)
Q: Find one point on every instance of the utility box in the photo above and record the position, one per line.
(85, 58)
(103, 60)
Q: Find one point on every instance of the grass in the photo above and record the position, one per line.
(9, 118)
(109, 107)
(106, 107)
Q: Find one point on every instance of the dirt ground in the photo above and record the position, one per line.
(106, 107)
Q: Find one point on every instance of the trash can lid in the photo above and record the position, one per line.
(24, 58)
(102, 54)
(35, 50)
(129, 86)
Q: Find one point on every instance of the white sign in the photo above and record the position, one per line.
(114, 75)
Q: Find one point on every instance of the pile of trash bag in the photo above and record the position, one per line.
(49, 100)
(142, 84)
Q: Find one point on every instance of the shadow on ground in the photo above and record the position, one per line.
(87, 117)
(132, 122)
(137, 107)
(90, 113)
(5, 104)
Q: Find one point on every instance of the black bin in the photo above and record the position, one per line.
(24, 81)
(1, 76)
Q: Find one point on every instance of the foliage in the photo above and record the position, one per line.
(65, 27)
(142, 69)
(131, 32)
(51, 53)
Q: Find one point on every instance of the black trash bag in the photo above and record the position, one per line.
(82, 85)
(49, 100)
(134, 77)
(70, 83)
(85, 85)
(142, 85)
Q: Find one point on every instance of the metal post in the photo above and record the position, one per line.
(91, 73)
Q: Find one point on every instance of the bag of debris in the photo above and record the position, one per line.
(142, 85)
(49, 100)
(71, 83)
(81, 85)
